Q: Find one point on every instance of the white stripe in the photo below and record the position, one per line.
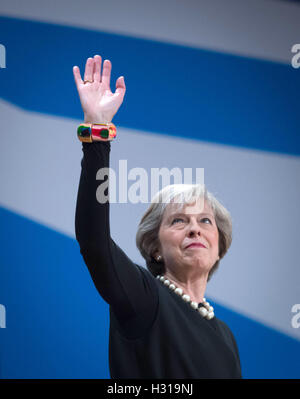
(40, 164)
(258, 28)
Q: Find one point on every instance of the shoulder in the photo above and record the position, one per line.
(226, 331)
(228, 335)
(224, 326)
(149, 281)
(145, 272)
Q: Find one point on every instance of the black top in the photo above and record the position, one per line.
(153, 332)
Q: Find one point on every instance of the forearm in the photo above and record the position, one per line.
(118, 280)
(91, 219)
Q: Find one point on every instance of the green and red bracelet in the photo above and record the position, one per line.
(89, 132)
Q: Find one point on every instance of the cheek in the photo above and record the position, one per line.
(215, 242)
(169, 240)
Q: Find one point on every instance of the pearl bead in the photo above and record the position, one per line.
(178, 291)
(186, 298)
(167, 283)
(203, 311)
(162, 278)
(210, 315)
(194, 305)
(172, 287)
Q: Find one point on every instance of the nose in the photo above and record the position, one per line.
(194, 229)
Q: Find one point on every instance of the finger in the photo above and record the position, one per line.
(77, 76)
(120, 87)
(106, 73)
(97, 68)
(88, 73)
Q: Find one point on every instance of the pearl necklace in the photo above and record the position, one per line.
(206, 310)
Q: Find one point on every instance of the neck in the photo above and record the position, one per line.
(194, 286)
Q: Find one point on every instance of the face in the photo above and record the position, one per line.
(193, 224)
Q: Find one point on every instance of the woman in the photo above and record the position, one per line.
(160, 324)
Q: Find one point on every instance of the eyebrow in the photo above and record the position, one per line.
(188, 214)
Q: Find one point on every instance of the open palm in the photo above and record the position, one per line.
(98, 102)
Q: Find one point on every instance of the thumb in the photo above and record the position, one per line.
(120, 86)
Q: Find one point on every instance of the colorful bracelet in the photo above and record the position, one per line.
(89, 132)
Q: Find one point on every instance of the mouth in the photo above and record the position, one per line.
(195, 245)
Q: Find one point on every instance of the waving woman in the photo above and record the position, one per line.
(161, 326)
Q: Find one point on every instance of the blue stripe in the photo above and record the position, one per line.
(264, 352)
(171, 89)
(57, 323)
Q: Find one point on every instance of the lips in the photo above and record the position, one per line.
(196, 244)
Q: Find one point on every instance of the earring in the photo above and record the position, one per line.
(159, 258)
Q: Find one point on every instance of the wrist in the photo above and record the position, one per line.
(89, 132)
(96, 119)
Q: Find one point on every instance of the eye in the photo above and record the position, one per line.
(176, 219)
(207, 219)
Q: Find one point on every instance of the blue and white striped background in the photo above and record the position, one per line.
(223, 68)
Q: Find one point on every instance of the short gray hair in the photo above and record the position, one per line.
(147, 239)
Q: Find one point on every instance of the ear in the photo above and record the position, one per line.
(155, 253)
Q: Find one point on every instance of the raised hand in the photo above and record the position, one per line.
(98, 103)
